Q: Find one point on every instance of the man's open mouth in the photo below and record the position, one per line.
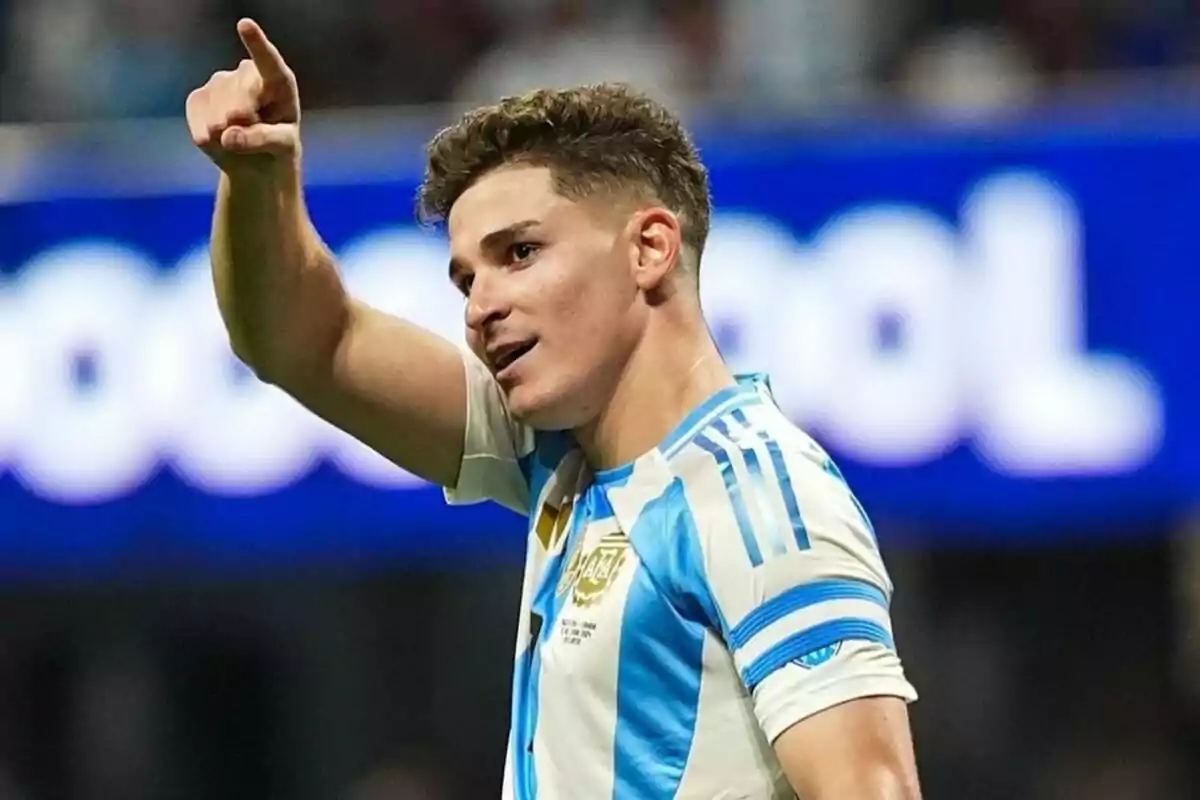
(504, 357)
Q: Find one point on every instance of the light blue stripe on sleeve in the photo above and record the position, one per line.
(826, 634)
(759, 493)
(784, 479)
(661, 661)
(799, 597)
(735, 496)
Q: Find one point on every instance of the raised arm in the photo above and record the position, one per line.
(395, 386)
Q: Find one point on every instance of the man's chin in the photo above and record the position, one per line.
(527, 411)
(522, 403)
(536, 409)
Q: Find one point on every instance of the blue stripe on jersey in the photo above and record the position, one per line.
(743, 394)
(687, 568)
(826, 634)
(754, 467)
(525, 464)
(784, 478)
(661, 661)
(547, 604)
(599, 508)
(833, 470)
(658, 694)
(549, 449)
(617, 476)
(799, 597)
(735, 496)
(670, 550)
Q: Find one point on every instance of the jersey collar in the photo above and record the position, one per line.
(747, 391)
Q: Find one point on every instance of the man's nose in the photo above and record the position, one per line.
(486, 302)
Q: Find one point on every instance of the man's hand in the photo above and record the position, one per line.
(251, 111)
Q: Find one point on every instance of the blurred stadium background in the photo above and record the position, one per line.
(961, 234)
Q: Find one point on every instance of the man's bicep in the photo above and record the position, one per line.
(396, 387)
(407, 393)
(861, 748)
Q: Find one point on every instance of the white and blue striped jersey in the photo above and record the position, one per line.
(681, 612)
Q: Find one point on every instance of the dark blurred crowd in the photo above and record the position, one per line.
(1047, 674)
(87, 59)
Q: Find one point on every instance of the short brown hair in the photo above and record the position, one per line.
(593, 138)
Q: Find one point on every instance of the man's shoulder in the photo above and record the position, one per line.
(755, 441)
(751, 472)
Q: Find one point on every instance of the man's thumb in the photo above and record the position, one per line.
(261, 138)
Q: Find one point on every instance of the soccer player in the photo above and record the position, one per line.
(705, 611)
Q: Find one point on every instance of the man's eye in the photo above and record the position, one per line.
(464, 284)
(522, 251)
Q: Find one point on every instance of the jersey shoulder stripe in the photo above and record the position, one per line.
(738, 461)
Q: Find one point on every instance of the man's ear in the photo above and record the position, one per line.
(657, 245)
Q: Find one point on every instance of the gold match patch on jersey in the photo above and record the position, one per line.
(552, 524)
(592, 572)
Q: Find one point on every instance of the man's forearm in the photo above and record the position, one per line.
(276, 283)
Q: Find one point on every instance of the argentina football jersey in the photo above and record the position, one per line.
(679, 613)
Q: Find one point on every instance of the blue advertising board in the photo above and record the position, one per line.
(992, 332)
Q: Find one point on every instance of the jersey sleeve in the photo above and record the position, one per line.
(789, 572)
(495, 446)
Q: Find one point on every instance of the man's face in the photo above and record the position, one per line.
(552, 306)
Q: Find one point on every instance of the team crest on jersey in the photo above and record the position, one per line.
(818, 657)
(591, 573)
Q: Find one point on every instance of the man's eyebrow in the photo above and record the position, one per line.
(506, 234)
(492, 241)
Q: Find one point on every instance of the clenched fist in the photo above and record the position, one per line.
(251, 111)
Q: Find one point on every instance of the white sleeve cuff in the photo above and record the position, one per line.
(801, 708)
(794, 693)
(484, 477)
(492, 445)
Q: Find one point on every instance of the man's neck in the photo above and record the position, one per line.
(669, 375)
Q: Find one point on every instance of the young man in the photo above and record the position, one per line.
(705, 608)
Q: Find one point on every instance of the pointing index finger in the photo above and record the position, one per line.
(265, 55)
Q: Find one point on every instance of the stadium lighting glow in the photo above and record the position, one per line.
(892, 334)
